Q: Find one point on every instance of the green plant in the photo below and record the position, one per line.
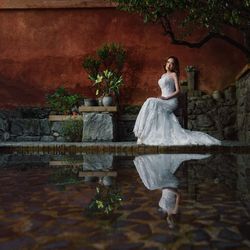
(72, 129)
(106, 200)
(178, 17)
(104, 69)
(107, 82)
(190, 68)
(61, 101)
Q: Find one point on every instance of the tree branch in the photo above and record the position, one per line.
(169, 32)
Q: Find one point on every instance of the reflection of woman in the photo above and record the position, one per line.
(169, 203)
(157, 172)
(156, 123)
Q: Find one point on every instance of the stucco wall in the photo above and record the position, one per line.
(41, 49)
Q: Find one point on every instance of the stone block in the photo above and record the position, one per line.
(47, 138)
(45, 127)
(98, 127)
(29, 127)
(57, 127)
(204, 121)
(3, 124)
(28, 138)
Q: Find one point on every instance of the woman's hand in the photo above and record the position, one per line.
(163, 98)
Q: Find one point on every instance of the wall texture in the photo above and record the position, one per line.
(42, 49)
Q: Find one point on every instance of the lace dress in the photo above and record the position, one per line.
(157, 172)
(156, 123)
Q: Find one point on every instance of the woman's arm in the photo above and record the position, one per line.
(176, 203)
(177, 88)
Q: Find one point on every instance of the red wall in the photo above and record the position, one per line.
(41, 50)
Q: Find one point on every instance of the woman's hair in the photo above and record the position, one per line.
(176, 65)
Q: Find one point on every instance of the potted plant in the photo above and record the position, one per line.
(105, 70)
(108, 83)
(191, 73)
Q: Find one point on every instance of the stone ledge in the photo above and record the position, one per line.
(97, 109)
(117, 148)
(58, 118)
(53, 4)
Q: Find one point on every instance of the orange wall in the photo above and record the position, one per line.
(43, 49)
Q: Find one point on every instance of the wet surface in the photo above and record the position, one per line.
(45, 202)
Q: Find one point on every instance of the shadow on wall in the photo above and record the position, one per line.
(133, 68)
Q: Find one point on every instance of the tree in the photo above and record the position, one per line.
(211, 15)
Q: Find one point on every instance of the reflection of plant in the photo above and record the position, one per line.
(72, 129)
(107, 82)
(64, 176)
(106, 200)
(62, 101)
(190, 68)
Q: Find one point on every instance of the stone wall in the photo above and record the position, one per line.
(243, 107)
(33, 124)
(213, 114)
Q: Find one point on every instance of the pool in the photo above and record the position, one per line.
(112, 201)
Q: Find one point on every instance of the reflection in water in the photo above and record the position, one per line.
(157, 172)
(35, 214)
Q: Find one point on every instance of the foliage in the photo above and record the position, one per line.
(62, 101)
(211, 15)
(107, 82)
(72, 129)
(104, 69)
(106, 200)
(190, 68)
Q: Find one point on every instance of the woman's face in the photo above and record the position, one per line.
(170, 64)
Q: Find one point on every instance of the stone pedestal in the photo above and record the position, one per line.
(99, 127)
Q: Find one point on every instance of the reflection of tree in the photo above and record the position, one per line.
(105, 201)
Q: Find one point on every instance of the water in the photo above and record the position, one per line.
(122, 202)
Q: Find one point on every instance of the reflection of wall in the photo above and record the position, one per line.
(41, 49)
(218, 169)
(243, 107)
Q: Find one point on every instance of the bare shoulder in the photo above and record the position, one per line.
(174, 75)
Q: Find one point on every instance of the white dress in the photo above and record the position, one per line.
(156, 123)
(157, 172)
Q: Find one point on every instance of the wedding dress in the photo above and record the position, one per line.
(156, 123)
(157, 172)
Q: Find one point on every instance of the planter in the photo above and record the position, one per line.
(107, 101)
(90, 102)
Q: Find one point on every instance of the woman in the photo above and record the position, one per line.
(156, 123)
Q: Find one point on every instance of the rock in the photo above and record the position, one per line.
(230, 133)
(45, 127)
(3, 125)
(28, 138)
(98, 127)
(29, 127)
(55, 134)
(204, 121)
(57, 127)
(199, 235)
(47, 138)
(229, 235)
